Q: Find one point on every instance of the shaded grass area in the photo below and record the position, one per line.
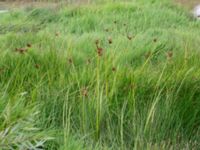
(109, 76)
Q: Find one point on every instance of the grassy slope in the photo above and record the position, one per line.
(142, 93)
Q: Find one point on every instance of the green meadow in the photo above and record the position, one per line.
(100, 76)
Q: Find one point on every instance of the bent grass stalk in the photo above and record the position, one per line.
(155, 100)
(98, 98)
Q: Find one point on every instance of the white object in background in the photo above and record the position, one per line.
(196, 11)
(3, 11)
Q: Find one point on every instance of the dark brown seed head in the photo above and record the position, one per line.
(84, 92)
(114, 69)
(29, 45)
(37, 66)
(155, 40)
(107, 30)
(99, 51)
(169, 54)
(16, 49)
(129, 37)
(88, 61)
(70, 61)
(21, 50)
(115, 22)
(57, 34)
(110, 40)
(97, 42)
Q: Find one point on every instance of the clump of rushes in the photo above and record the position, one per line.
(21, 50)
(110, 41)
(169, 54)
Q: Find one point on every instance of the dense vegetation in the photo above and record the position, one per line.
(107, 76)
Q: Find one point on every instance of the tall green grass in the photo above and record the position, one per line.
(58, 93)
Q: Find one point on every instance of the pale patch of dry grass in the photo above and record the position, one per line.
(24, 4)
(12, 4)
(188, 3)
